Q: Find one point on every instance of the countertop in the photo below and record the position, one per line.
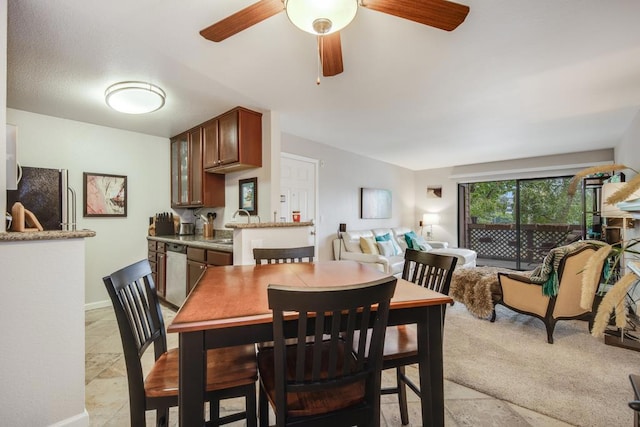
(195, 241)
(268, 224)
(14, 236)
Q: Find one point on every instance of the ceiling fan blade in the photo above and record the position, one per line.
(242, 20)
(441, 14)
(330, 54)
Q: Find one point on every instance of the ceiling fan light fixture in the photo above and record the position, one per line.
(134, 97)
(321, 17)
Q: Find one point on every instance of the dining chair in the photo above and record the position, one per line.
(231, 372)
(431, 271)
(323, 382)
(283, 255)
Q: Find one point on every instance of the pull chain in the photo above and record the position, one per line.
(320, 50)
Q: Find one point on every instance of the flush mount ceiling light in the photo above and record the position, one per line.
(134, 97)
(321, 17)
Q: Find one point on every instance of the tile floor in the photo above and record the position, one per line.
(107, 393)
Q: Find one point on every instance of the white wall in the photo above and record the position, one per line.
(45, 141)
(446, 207)
(628, 152)
(340, 178)
(3, 109)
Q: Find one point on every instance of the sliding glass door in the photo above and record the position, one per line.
(514, 223)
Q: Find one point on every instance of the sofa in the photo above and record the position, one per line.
(389, 257)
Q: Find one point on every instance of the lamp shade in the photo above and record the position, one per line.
(430, 219)
(321, 17)
(612, 211)
(134, 97)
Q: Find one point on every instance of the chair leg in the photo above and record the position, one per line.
(551, 325)
(250, 406)
(263, 410)
(402, 395)
(162, 417)
(214, 412)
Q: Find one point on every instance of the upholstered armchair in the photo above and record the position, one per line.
(521, 294)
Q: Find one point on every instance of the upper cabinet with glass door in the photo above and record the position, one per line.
(190, 186)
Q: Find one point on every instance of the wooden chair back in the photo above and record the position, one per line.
(429, 270)
(283, 255)
(331, 317)
(135, 302)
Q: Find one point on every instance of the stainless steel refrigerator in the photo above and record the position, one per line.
(45, 193)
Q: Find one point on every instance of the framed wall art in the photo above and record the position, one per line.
(434, 192)
(375, 203)
(105, 195)
(248, 197)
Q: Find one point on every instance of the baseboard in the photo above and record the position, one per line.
(80, 420)
(97, 304)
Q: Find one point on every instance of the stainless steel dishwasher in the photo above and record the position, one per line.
(176, 284)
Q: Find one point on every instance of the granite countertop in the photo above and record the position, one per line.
(268, 224)
(195, 241)
(14, 236)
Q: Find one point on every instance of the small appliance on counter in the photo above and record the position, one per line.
(187, 228)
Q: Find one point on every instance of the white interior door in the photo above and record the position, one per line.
(298, 187)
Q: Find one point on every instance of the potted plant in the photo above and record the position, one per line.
(614, 290)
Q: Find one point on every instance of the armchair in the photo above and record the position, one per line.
(520, 294)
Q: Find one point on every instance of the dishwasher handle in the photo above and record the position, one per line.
(175, 247)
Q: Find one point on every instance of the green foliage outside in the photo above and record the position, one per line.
(542, 201)
(492, 202)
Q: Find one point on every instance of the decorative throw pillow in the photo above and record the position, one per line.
(383, 238)
(402, 243)
(396, 248)
(352, 245)
(369, 246)
(386, 248)
(387, 237)
(408, 237)
(419, 243)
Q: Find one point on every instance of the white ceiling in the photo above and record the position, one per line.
(518, 78)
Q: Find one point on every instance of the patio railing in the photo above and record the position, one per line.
(499, 241)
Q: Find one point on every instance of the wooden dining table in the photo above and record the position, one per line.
(229, 307)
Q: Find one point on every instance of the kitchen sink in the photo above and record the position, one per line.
(223, 241)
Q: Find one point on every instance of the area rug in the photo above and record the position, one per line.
(578, 379)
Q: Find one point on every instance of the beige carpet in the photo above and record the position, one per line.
(578, 379)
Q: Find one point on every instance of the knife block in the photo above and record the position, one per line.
(165, 228)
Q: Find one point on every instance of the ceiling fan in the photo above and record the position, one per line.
(325, 18)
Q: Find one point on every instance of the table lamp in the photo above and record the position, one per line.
(429, 220)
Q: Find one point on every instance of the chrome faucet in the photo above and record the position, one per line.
(245, 212)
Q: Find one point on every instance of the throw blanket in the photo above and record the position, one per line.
(546, 273)
(477, 288)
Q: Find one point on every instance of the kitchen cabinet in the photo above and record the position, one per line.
(199, 259)
(196, 265)
(194, 271)
(190, 186)
(157, 254)
(233, 141)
